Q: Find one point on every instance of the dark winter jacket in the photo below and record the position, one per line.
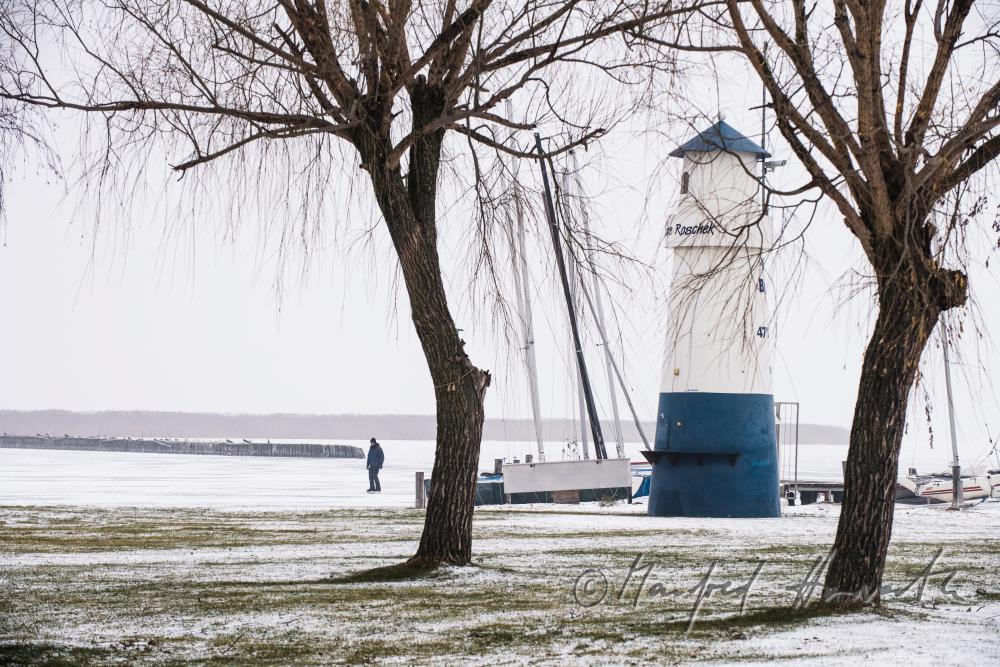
(376, 457)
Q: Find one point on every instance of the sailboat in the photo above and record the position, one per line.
(573, 287)
(571, 479)
(956, 485)
(939, 487)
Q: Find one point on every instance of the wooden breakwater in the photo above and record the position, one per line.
(166, 446)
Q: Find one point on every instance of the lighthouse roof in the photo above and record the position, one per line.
(720, 137)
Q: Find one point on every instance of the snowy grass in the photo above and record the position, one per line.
(83, 585)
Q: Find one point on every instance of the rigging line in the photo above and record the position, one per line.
(561, 363)
(622, 347)
(599, 316)
(563, 359)
(557, 338)
(551, 326)
(628, 351)
(994, 451)
(522, 290)
(580, 268)
(595, 425)
(566, 214)
(570, 240)
(618, 374)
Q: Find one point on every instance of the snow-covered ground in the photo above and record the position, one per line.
(168, 559)
(52, 477)
(202, 586)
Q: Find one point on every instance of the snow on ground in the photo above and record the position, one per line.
(160, 585)
(168, 559)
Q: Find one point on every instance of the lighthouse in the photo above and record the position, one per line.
(715, 452)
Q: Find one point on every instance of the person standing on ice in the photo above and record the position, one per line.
(376, 457)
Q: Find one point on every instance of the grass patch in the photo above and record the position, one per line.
(989, 595)
(18, 654)
(178, 599)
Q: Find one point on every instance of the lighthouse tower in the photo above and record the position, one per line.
(715, 452)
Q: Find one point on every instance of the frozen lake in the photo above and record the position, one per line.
(52, 477)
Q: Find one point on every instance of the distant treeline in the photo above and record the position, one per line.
(143, 424)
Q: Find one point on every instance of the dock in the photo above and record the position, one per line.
(170, 446)
(810, 490)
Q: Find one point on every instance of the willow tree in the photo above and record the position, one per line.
(893, 110)
(400, 84)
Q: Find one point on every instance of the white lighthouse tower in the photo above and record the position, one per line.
(715, 449)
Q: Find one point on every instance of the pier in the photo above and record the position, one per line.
(168, 446)
(810, 490)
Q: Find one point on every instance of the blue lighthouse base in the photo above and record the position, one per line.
(715, 456)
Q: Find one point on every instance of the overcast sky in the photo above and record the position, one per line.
(191, 321)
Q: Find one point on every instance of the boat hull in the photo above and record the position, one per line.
(939, 488)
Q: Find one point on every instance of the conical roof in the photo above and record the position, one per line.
(720, 137)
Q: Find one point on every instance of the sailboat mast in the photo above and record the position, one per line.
(956, 468)
(522, 289)
(581, 399)
(523, 293)
(599, 315)
(595, 425)
(574, 290)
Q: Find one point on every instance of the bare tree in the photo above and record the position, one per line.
(892, 109)
(20, 129)
(401, 84)
(11, 135)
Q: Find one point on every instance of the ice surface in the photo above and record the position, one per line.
(53, 477)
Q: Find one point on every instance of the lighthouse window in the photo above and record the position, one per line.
(684, 182)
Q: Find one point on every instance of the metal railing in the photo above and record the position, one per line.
(786, 430)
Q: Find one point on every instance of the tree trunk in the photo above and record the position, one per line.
(459, 388)
(409, 209)
(909, 308)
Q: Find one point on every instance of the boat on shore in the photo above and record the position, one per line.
(938, 487)
(977, 482)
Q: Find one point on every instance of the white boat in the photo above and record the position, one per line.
(977, 483)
